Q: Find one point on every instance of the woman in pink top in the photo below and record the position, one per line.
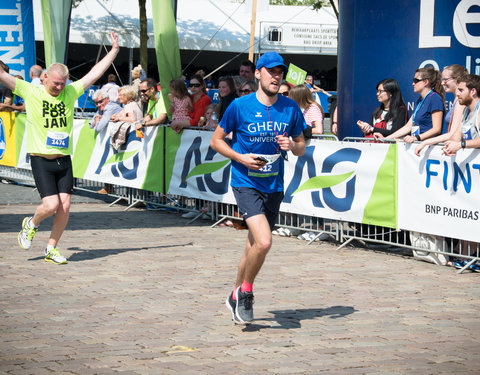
(312, 111)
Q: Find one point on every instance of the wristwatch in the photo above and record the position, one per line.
(143, 123)
(463, 143)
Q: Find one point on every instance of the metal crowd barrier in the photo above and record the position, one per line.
(425, 247)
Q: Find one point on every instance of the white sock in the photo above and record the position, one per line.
(30, 223)
(50, 247)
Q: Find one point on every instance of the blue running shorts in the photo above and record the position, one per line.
(251, 202)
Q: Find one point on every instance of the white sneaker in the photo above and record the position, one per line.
(54, 256)
(310, 236)
(307, 236)
(25, 237)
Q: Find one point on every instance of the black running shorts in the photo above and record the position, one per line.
(251, 202)
(52, 176)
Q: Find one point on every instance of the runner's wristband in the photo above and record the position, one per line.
(418, 137)
(464, 144)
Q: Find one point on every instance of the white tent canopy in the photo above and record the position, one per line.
(210, 25)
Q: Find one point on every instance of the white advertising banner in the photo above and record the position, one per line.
(343, 181)
(439, 194)
(337, 180)
(197, 171)
(96, 159)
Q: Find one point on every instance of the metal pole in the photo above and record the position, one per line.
(252, 30)
(130, 65)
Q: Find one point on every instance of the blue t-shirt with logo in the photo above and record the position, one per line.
(255, 128)
(423, 118)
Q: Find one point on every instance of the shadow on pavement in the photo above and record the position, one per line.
(100, 253)
(102, 219)
(291, 319)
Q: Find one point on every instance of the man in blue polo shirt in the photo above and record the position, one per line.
(264, 126)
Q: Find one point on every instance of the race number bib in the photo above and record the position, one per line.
(415, 130)
(270, 169)
(57, 139)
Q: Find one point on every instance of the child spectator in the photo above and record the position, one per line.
(209, 121)
(180, 102)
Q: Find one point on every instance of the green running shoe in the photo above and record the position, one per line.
(54, 256)
(25, 237)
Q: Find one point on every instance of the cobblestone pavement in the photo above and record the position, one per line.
(144, 294)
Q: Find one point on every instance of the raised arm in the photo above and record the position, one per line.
(101, 67)
(7, 79)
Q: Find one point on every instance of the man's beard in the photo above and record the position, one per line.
(466, 102)
(269, 92)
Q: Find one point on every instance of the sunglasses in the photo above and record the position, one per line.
(97, 102)
(246, 91)
(144, 91)
(416, 80)
(194, 85)
(285, 93)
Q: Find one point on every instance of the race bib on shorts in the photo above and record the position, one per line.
(57, 139)
(272, 167)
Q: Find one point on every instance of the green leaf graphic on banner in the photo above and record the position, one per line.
(381, 208)
(121, 156)
(206, 168)
(320, 182)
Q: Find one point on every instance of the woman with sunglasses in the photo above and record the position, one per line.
(454, 115)
(392, 113)
(200, 101)
(427, 118)
(247, 88)
(227, 93)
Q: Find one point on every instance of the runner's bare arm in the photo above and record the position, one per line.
(7, 79)
(218, 144)
(296, 145)
(101, 67)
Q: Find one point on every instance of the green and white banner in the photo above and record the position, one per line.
(193, 169)
(337, 180)
(138, 163)
(343, 181)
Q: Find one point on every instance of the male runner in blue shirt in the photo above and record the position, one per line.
(264, 126)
